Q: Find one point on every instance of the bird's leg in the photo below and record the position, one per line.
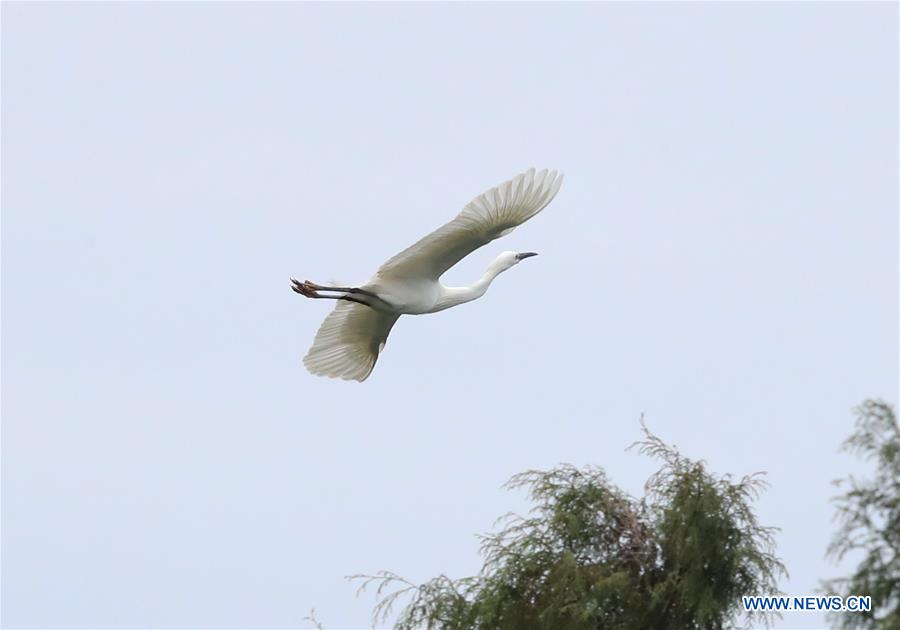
(349, 298)
(306, 287)
(319, 287)
(309, 289)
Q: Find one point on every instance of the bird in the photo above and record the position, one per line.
(353, 335)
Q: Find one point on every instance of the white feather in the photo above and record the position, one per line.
(349, 341)
(490, 215)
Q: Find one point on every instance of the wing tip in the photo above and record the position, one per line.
(545, 183)
(315, 368)
(547, 174)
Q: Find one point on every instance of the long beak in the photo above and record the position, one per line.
(525, 255)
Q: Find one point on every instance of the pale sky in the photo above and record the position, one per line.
(722, 257)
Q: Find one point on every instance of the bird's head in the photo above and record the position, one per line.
(507, 260)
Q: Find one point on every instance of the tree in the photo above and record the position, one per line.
(591, 556)
(869, 516)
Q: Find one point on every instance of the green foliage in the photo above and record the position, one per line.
(590, 556)
(869, 516)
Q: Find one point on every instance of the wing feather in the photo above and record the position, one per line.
(491, 215)
(348, 342)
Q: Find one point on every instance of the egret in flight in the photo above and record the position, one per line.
(354, 333)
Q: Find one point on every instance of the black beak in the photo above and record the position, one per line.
(525, 255)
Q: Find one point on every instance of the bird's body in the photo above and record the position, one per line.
(405, 296)
(350, 339)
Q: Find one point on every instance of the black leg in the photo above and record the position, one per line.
(319, 287)
(308, 289)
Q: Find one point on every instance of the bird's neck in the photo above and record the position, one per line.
(454, 296)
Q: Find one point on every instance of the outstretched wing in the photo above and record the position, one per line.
(348, 342)
(487, 217)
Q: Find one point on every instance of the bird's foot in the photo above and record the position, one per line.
(304, 288)
(314, 287)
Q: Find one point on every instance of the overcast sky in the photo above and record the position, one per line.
(722, 257)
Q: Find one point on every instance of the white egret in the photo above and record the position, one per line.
(351, 337)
